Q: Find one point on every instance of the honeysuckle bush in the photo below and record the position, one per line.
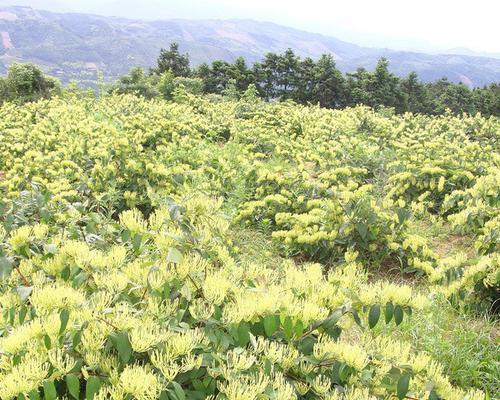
(476, 210)
(160, 308)
(120, 277)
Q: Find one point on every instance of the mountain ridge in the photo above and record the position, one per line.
(75, 46)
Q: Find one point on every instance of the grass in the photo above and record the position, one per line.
(255, 247)
(467, 346)
(442, 239)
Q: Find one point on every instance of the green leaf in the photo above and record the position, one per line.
(433, 395)
(24, 291)
(80, 278)
(125, 235)
(22, 314)
(174, 255)
(16, 359)
(63, 317)
(355, 315)
(66, 272)
(389, 312)
(33, 395)
(93, 386)
(299, 328)
(268, 367)
(330, 324)
(12, 315)
(333, 331)
(288, 328)
(136, 242)
(49, 390)
(122, 344)
(398, 314)
(362, 230)
(243, 333)
(403, 215)
(333, 318)
(77, 367)
(73, 384)
(306, 345)
(373, 315)
(77, 338)
(163, 396)
(344, 371)
(47, 342)
(271, 324)
(5, 267)
(179, 392)
(403, 385)
(198, 385)
(408, 310)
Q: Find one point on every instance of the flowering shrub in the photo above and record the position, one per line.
(162, 308)
(120, 278)
(476, 210)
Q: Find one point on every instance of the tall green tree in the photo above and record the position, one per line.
(173, 60)
(288, 75)
(358, 88)
(138, 82)
(417, 95)
(220, 74)
(487, 99)
(203, 72)
(446, 95)
(328, 87)
(4, 92)
(266, 76)
(242, 75)
(385, 89)
(27, 82)
(306, 82)
(215, 77)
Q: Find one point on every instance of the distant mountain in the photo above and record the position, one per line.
(468, 52)
(76, 46)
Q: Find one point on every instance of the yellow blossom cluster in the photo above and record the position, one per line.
(121, 273)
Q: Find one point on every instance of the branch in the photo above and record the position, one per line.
(108, 323)
(23, 278)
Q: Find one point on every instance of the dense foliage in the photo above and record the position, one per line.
(76, 46)
(288, 77)
(26, 82)
(279, 77)
(121, 275)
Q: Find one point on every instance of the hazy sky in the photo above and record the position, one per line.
(402, 24)
(474, 24)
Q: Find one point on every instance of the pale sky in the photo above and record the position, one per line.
(442, 23)
(399, 24)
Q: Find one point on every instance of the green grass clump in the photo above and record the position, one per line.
(466, 345)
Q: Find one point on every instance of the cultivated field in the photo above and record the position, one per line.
(241, 250)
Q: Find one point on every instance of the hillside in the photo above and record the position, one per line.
(244, 250)
(76, 46)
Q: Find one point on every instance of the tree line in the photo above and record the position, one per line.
(25, 83)
(286, 76)
(277, 77)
